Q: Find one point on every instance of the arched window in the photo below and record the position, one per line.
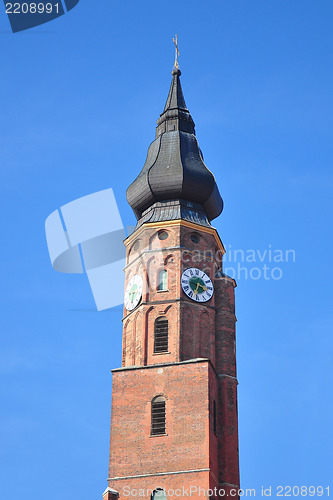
(158, 494)
(162, 280)
(158, 416)
(161, 333)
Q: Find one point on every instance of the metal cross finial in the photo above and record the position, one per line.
(175, 41)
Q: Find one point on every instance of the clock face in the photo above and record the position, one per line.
(133, 292)
(197, 285)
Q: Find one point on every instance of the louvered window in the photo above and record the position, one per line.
(158, 416)
(161, 332)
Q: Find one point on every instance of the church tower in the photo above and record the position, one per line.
(174, 429)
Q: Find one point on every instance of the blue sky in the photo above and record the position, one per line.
(80, 98)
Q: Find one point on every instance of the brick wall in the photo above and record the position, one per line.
(197, 373)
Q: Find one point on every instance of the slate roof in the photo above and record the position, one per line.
(174, 168)
(175, 210)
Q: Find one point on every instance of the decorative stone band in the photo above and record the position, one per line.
(222, 375)
(229, 484)
(155, 365)
(159, 474)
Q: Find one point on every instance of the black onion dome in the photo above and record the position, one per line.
(174, 168)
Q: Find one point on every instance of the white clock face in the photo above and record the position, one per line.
(197, 285)
(133, 292)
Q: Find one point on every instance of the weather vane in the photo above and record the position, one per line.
(175, 41)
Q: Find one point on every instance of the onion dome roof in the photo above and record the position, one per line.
(174, 168)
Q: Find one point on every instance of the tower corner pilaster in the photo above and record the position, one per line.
(110, 494)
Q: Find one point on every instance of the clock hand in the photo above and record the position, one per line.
(204, 288)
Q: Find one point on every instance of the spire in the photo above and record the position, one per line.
(174, 182)
(175, 115)
(175, 98)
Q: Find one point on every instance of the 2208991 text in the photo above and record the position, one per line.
(32, 8)
(295, 491)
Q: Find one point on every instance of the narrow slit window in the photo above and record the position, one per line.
(158, 419)
(162, 280)
(214, 416)
(161, 334)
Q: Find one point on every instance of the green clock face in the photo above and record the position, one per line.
(133, 292)
(197, 285)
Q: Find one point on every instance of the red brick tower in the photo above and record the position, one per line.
(174, 428)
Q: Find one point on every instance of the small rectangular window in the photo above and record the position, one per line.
(162, 280)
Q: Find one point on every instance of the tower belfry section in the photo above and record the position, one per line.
(174, 425)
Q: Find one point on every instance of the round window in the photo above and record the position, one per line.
(195, 238)
(163, 235)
